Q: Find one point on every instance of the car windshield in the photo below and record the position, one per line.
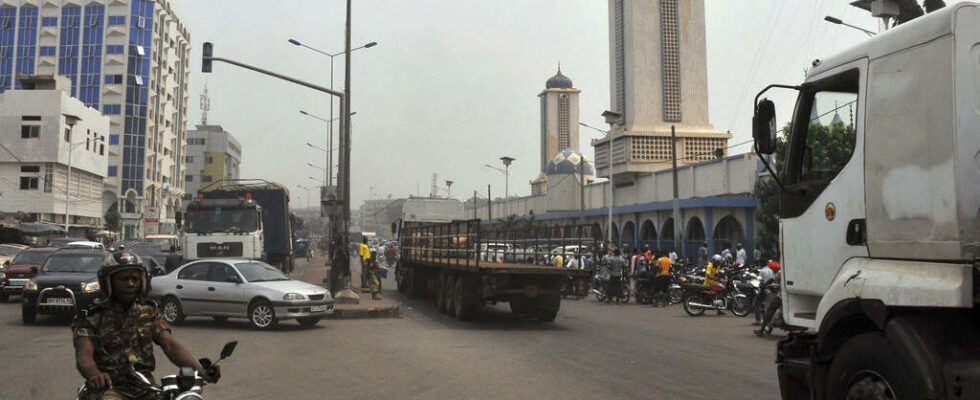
(73, 263)
(9, 251)
(257, 271)
(222, 219)
(30, 258)
(62, 242)
(162, 243)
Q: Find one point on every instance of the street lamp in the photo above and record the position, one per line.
(307, 189)
(611, 118)
(70, 120)
(506, 171)
(368, 45)
(329, 179)
(837, 21)
(324, 170)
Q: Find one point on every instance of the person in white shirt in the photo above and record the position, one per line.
(739, 254)
(765, 275)
(673, 257)
(573, 262)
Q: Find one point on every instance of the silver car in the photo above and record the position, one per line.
(223, 288)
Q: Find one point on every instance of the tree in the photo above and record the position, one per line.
(910, 9)
(767, 192)
(112, 220)
(933, 5)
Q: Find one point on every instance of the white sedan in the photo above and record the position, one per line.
(236, 288)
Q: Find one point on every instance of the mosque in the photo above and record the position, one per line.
(659, 82)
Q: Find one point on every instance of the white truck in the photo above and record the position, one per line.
(880, 216)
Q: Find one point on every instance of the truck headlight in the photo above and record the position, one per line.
(30, 285)
(293, 297)
(90, 287)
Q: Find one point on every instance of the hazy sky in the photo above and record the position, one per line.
(453, 84)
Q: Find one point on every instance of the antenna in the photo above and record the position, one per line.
(435, 187)
(205, 103)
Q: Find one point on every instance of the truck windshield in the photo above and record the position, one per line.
(222, 219)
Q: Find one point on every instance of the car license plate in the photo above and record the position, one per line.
(531, 290)
(318, 308)
(57, 301)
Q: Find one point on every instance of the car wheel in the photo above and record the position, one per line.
(28, 313)
(171, 310)
(262, 315)
(308, 322)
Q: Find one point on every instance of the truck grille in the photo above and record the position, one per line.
(232, 249)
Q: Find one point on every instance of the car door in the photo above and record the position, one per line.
(225, 290)
(191, 288)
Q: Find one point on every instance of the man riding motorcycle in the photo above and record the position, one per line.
(711, 274)
(116, 334)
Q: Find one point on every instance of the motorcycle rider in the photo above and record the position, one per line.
(118, 332)
(772, 302)
(711, 274)
(765, 276)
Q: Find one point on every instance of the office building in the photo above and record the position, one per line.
(213, 156)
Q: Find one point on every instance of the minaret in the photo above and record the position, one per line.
(559, 117)
(658, 79)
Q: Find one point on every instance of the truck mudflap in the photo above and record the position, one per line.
(794, 360)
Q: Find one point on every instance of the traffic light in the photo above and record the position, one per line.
(206, 60)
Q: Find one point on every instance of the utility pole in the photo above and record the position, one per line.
(581, 206)
(344, 226)
(677, 204)
(475, 206)
(612, 118)
(70, 120)
(489, 204)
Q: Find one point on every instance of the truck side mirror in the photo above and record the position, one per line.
(764, 127)
(394, 228)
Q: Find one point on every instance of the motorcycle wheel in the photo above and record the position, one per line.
(740, 306)
(676, 295)
(692, 309)
(626, 293)
(599, 296)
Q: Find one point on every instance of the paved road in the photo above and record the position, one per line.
(591, 351)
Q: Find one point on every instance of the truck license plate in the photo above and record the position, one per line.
(57, 301)
(531, 290)
(318, 308)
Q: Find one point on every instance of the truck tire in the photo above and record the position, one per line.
(544, 315)
(870, 365)
(412, 283)
(520, 307)
(449, 294)
(462, 309)
(400, 278)
(440, 293)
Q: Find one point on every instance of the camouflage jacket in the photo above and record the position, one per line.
(122, 336)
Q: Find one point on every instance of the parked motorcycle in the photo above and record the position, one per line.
(698, 298)
(601, 285)
(188, 384)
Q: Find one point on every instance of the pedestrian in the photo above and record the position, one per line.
(673, 256)
(573, 262)
(588, 263)
(757, 254)
(559, 261)
(390, 254)
(703, 254)
(339, 267)
(739, 254)
(616, 265)
(374, 270)
(365, 253)
(765, 276)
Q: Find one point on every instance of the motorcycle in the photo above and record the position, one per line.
(188, 384)
(774, 309)
(601, 284)
(698, 298)
(570, 288)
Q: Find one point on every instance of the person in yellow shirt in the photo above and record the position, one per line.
(559, 261)
(365, 252)
(711, 274)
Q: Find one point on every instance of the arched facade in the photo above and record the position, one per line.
(693, 237)
(629, 234)
(727, 232)
(648, 234)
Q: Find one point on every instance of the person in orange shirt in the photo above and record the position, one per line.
(664, 264)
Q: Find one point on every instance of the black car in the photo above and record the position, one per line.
(66, 283)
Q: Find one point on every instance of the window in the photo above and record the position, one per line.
(113, 139)
(113, 170)
(189, 159)
(48, 50)
(188, 178)
(205, 178)
(139, 80)
(118, 49)
(30, 168)
(30, 131)
(111, 109)
(48, 177)
(221, 272)
(113, 79)
(822, 140)
(117, 20)
(68, 135)
(28, 183)
(30, 118)
(209, 160)
(195, 272)
(49, 21)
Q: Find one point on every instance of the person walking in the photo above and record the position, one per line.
(365, 254)
(739, 254)
(757, 254)
(765, 276)
(616, 266)
(703, 254)
(573, 262)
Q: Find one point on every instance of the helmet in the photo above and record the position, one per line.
(716, 260)
(120, 261)
(729, 258)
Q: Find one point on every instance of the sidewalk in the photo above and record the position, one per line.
(314, 271)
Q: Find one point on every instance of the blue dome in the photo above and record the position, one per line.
(558, 81)
(567, 162)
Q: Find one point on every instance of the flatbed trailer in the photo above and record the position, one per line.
(448, 262)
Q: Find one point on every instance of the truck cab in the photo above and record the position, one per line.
(880, 215)
(223, 228)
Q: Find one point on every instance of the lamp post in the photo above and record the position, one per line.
(449, 189)
(323, 170)
(70, 120)
(329, 122)
(612, 201)
(838, 21)
(307, 189)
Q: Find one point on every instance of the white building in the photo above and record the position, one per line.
(36, 138)
(129, 59)
(212, 155)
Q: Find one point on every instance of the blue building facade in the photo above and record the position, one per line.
(129, 60)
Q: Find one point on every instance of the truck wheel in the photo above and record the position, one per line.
(449, 294)
(546, 315)
(28, 313)
(412, 284)
(462, 310)
(400, 278)
(867, 366)
(519, 307)
(440, 293)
